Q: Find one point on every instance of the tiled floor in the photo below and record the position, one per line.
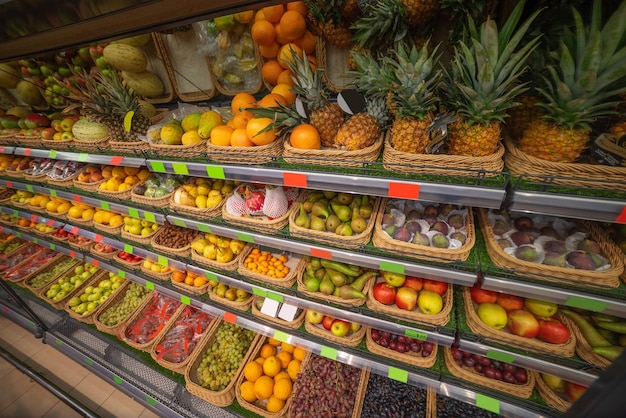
(22, 397)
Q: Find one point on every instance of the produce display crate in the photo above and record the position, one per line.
(520, 390)
(230, 266)
(607, 278)
(198, 290)
(295, 324)
(184, 251)
(567, 349)
(123, 195)
(334, 299)
(584, 350)
(335, 63)
(159, 202)
(140, 239)
(333, 157)
(89, 317)
(61, 144)
(414, 359)
(38, 178)
(100, 254)
(134, 148)
(157, 64)
(111, 301)
(240, 306)
(551, 398)
(89, 187)
(155, 275)
(98, 145)
(60, 304)
(323, 237)
(79, 221)
(132, 266)
(259, 154)
(350, 340)
(295, 263)
(196, 212)
(28, 282)
(30, 275)
(226, 396)
(262, 223)
(112, 230)
(64, 182)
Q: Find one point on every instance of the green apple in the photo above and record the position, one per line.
(493, 315)
(79, 270)
(429, 302)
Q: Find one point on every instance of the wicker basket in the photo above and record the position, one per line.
(605, 278)
(181, 366)
(14, 174)
(441, 318)
(226, 396)
(179, 151)
(100, 254)
(181, 252)
(135, 148)
(593, 176)
(329, 238)
(240, 306)
(159, 202)
(88, 318)
(140, 239)
(37, 209)
(196, 212)
(441, 164)
(198, 290)
(66, 182)
(295, 263)
(520, 390)
(478, 327)
(96, 146)
(158, 66)
(334, 299)
(112, 329)
(262, 223)
(62, 144)
(552, 399)
(123, 195)
(421, 252)
(213, 264)
(333, 157)
(57, 215)
(131, 266)
(83, 247)
(335, 64)
(88, 187)
(111, 230)
(414, 359)
(28, 276)
(80, 222)
(39, 178)
(245, 155)
(155, 275)
(295, 324)
(60, 304)
(350, 340)
(28, 141)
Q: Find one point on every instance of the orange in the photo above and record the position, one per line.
(282, 375)
(285, 55)
(239, 138)
(272, 100)
(305, 136)
(259, 360)
(255, 131)
(273, 13)
(178, 276)
(230, 123)
(299, 353)
(270, 51)
(268, 350)
(263, 32)
(264, 387)
(241, 101)
(306, 42)
(252, 371)
(244, 17)
(220, 135)
(271, 70)
(259, 15)
(189, 281)
(272, 366)
(284, 358)
(274, 404)
(292, 24)
(298, 6)
(287, 347)
(285, 91)
(247, 391)
(280, 36)
(271, 340)
(285, 78)
(199, 281)
(293, 369)
(241, 120)
(282, 389)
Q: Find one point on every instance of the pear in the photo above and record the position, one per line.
(344, 230)
(343, 212)
(345, 198)
(312, 284)
(303, 220)
(332, 223)
(320, 209)
(358, 223)
(329, 194)
(326, 286)
(317, 223)
(348, 292)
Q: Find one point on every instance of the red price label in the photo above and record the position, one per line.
(33, 218)
(73, 254)
(295, 180)
(98, 238)
(74, 230)
(116, 160)
(2, 149)
(403, 190)
(51, 222)
(9, 184)
(315, 252)
(78, 198)
(621, 219)
(27, 151)
(95, 263)
(230, 317)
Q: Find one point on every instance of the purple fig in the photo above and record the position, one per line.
(582, 260)
(526, 253)
(504, 243)
(459, 236)
(521, 238)
(554, 246)
(413, 215)
(440, 226)
(388, 219)
(533, 232)
(413, 226)
(555, 259)
(522, 223)
(549, 231)
(456, 221)
(589, 246)
(401, 234)
(500, 227)
(439, 240)
(446, 208)
(431, 219)
(431, 210)
(421, 239)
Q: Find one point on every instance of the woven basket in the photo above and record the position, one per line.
(99, 145)
(335, 64)
(35, 208)
(83, 247)
(551, 398)
(520, 390)
(230, 266)
(89, 318)
(198, 290)
(155, 275)
(79, 221)
(66, 182)
(593, 176)
(350, 340)
(196, 212)
(295, 324)
(135, 148)
(28, 141)
(140, 239)
(60, 304)
(112, 329)
(157, 65)
(123, 195)
(295, 263)
(62, 144)
(477, 326)
(39, 178)
(14, 174)
(131, 266)
(262, 223)
(28, 276)
(100, 254)
(159, 202)
(89, 187)
(441, 164)
(441, 318)
(421, 252)
(329, 238)
(57, 215)
(245, 155)
(181, 252)
(334, 299)
(333, 157)
(605, 278)
(108, 229)
(181, 366)
(179, 151)
(411, 358)
(226, 396)
(240, 306)
(584, 349)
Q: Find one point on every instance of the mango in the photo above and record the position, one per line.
(172, 134)
(208, 121)
(191, 122)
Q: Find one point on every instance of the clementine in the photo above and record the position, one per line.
(305, 136)
(220, 135)
(241, 101)
(271, 51)
(258, 133)
(239, 138)
(285, 91)
(272, 100)
(292, 24)
(298, 6)
(263, 32)
(271, 70)
(273, 13)
(286, 53)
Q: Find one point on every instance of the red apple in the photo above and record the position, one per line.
(327, 322)
(56, 124)
(522, 323)
(384, 293)
(415, 283)
(436, 286)
(573, 391)
(480, 295)
(37, 120)
(510, 302)
(340, 328)
(48, 133)
(552, 331)
(406, 298)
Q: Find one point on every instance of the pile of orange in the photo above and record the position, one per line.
(278, 30)
(188, 278)
(264, 262)
(25, 223)
(269, 378)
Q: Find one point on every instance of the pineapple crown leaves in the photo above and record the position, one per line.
(384, 22)
(285, 117)
(588, 72)
(485, 75)
(308, 82)
(372, 76)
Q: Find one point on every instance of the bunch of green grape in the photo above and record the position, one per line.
(7, 247)
(222, 359)
(120, 310)
(47, 276)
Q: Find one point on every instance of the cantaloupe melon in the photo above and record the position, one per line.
(139, 40)
(28, 93)
(125, 57)
(9, 76)
(89, 131)
(145, 83)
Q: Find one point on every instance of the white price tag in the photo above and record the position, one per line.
(270, 307)
(288, 312)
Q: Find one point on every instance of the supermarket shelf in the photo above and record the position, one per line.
(449, 275)
(467, 195)
(52, 245)
(32, 216)
(567, 297)
(6, 150)
(82, 157)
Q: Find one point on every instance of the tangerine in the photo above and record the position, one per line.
(274, 404)
(282, 375)
(285, 78)
(255, 130)
(252, 371)
(272, 366)
(305, 136)
(270, 51)
(268, 350)
(307, 42)
(293, 368)
(273, 13)
(247, 391)
(286, 54)
(272, 100)
(220, 135)
(264, 387)
(271, 70)
(271, 340)
(292, 24)
(239, 138)
(284, 358)
(263, 32)
(288, 347)
(282, 389)
(285, 91)
(241, 120)
(178, 276)
(299, 353)
(199, 281)
(241, 101)
(280, 36)
(259, 15)
(298, 6)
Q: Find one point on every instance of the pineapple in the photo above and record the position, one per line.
(582, 85)
(419, 12)
(334, 26)
(363, 129)
(411, 97)
(326, 117)
(484, 81)
(383, 23)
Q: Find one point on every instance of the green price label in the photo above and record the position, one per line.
(58, 342)
(52, 154)
(149, 285)
(29, 188)
(180, 168)
(500, 356)
(53, 247)
(117, 379)
(89, 361)
(151, 401)
(215, 172)
(15, 213)
(128, 249)
(164, 261)
(82, 157)
(276, 297)
(31, 324)
(281, 336)
(35, 240)
(245, 237)
(204, 228)
(211, 276)
(185, 299)
(488, 403)
(121, 273)
(259, 292)
(328, 352)
(150, 217)
(53, 193)
(157, 166)
(398, 374)
(134, 213)
(18, 234)
(391, 267)
(179, 222)
(586, 304)
(415, 334)
(105, 205)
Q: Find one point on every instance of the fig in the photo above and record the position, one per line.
(554, 246)
(533, 232)
(413, 215)
(555, 259)
(549, 231)
(431, 211)
(456, 221)
(504, 243)
(446, 208)
(401, 234)
(388, 219)
(526, 253)
(439, 240)
(582, 260)
(431, 219)
(589, 246)
(522, 223)
(500, 227)
(440, 226)
(521, 238)
(413, 226)
(459, 236)
(421, 239)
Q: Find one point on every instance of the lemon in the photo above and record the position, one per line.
(203, 190)
(63, 207)
(132, 180)
(51, 206)
(88, 214)
(131, 171)
(113, 184)
(116, 220)
(143, 174)
(191, 137)
(119, 173)
(201, 201)
(75, 212)
(98, 217)
(123, 186)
